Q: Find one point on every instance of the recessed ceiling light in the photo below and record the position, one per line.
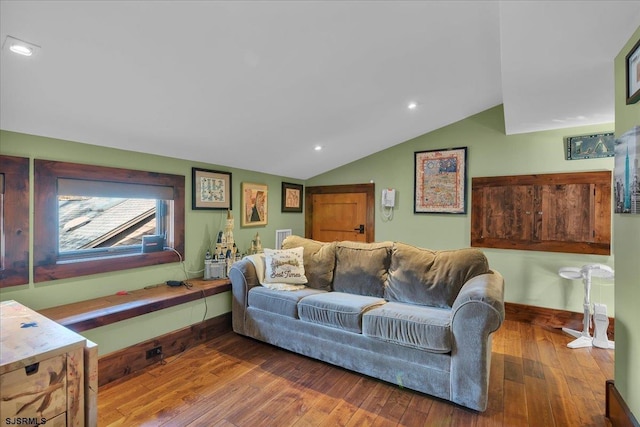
(412, 105)
(20, 47)
(318, 147)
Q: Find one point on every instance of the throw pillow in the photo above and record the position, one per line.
(284, 266)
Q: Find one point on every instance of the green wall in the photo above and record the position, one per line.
(626, 230)
(530, 277)
(201, 228)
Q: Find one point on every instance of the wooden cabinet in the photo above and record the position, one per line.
(43, 372)
(566, 212)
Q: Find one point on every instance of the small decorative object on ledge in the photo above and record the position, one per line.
(590, 146)
(256, 245)
(218, 264)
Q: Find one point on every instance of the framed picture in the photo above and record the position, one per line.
(590, 146)
(440, 181)
(626, 188)
(291, 197)
(632, 62)
(211, 189)
(254, 204)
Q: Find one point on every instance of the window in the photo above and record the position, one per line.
(93, 219)
(14, 221)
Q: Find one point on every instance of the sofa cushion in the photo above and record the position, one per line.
(426, 328)
(337, 309)
(319, 260)
(279, 302)
(284, 266)
(433, 278)
(361, 268)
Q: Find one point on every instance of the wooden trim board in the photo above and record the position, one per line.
(616, 409)
(89, 314)
(123, 362)
(549, 317)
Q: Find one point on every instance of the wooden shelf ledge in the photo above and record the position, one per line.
(84, 315)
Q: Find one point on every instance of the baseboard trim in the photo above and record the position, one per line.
(124, 362)
(616, 409)
(549, 317)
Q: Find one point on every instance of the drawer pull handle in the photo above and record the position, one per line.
(32, 369)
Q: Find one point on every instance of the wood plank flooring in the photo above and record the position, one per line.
(236, 381)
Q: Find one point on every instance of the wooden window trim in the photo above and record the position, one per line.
(16, 221)
(45, 252)
(600, 180)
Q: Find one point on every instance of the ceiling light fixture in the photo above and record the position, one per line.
(318, 147)
(20, 47)
(412, 105)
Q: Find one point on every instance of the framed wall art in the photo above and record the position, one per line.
(291, 197)
(440, 181)
(590, 146)
(632, 66)
(254, 204)
(626, 188)
(211, 189)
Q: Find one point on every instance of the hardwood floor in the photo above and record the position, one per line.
(236, 381)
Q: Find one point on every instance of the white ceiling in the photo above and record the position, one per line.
(256, 85)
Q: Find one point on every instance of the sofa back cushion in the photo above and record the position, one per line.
(362, 268)
(319, 260)
(431, 278)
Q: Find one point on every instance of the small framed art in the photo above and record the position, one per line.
(632, 65)
(254, 204)
(211, 189)
(590, 146)
(292, 197)
(440, 181)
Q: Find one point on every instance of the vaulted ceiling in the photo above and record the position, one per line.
(258, 84)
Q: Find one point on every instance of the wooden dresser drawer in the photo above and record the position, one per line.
(38, 390)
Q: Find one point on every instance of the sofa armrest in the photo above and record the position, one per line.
(477, 312)
(243, 277)
(486, 290)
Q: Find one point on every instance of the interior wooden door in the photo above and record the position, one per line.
(341, 212)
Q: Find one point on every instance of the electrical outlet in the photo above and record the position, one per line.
(155, 351)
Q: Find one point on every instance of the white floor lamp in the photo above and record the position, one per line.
(583, 338)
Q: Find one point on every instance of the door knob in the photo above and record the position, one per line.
(360, 229)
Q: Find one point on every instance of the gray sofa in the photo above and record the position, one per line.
(418, 318)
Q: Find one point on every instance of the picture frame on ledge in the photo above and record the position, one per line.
(211, 189)
(292, 196)
(254, 204)
(632, 66)
(440, 181)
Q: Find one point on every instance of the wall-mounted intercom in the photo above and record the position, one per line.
(388, 197)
